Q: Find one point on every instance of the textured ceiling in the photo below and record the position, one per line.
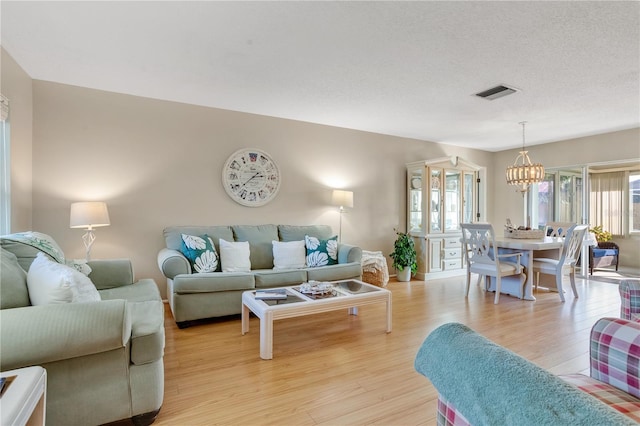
(400, 68)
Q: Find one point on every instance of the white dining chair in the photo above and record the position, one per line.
(566, 262)
(478, 242)
(557, 229)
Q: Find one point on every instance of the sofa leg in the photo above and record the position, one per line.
(145, 419)
(183, 324)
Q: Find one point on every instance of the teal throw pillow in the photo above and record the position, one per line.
(201, 252)
(321, 252)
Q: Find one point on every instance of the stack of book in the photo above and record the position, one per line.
(274, 294)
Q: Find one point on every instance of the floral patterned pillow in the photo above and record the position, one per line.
(201, 252)
(321, 252)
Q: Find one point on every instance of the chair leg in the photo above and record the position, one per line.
(559, 284)
(466, 294)
(498, 288)
(480, 280)
(572, 277)
(537, 280)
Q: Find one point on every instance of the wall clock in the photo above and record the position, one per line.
(251, 177)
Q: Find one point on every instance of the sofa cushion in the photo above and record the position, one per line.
(201, 252)
(295, 233)
(259, 238)
(289, 254)
(321, 252)
(50, 282)
(235, 256)
(612, 396)
(279, 278)
(342, 271)
(140, 291)
(213, 282)
(173, 238)
(13, 290)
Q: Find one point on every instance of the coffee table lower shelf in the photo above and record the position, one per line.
(267, 313)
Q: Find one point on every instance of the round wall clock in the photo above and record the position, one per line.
(251, 177)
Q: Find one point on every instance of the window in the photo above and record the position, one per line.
(606, 202)
(545, 201)
(5, 168)
(634, 202)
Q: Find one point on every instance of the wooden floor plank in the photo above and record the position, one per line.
(338, 369)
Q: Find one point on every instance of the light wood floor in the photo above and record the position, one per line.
(336, 369)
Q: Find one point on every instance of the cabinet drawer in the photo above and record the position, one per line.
(452, 253)
(452, 242)
(452, 264)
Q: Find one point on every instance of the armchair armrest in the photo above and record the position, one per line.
(629, 299)
(40, 334)
(517, 255)
(614, 353)
(110, 273)
(172, 262)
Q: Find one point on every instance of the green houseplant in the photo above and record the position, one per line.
(602, 236)
(404, 256)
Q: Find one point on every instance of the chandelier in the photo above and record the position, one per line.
(525, 173)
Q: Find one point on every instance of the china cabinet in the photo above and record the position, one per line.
(441, 194)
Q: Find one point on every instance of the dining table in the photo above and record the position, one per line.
(527, 247)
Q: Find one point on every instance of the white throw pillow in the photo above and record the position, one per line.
(289, 254)
(49, 282)
(234, 256)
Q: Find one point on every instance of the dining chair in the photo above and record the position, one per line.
(567, 261)
(557, 229)
(478, 242)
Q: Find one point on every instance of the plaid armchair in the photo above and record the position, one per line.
(630, 299)
(615, 362)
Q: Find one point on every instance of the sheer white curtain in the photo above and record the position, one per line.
(5, 168)
(607, 201)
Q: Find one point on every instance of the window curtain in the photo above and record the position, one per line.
(607, 201)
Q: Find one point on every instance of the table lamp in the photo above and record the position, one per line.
(343, 199)
(89, 215)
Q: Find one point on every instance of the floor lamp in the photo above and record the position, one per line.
(89, 215)
(342, 199)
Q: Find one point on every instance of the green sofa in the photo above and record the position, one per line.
(104, 359)
(194, 296)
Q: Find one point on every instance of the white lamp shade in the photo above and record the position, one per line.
(342, 198)
(89, 214)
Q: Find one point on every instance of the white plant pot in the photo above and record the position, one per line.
(404, 275)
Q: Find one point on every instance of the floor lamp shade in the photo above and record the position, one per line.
(91, 214)
(342, 198)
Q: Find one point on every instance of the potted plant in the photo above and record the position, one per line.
(602, 236)
(404, 257)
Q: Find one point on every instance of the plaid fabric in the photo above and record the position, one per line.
(615, 354)
(629, 299)
(448, 415)
(613, 397)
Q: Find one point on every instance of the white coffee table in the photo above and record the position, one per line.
(347, 295)
(23, 401)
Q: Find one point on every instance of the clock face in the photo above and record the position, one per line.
(251, 177)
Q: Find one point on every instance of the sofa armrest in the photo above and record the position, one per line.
(110, 273)
(40, 334)
(615, 358)
(348, 253)
(489, 384)
(172, 262)
(629, 298)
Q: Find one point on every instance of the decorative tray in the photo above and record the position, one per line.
(531, 234)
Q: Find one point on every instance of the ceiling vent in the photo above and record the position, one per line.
(496, 92)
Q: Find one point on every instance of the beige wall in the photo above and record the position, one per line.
(620, 146)
(16, 85)
(159, 163)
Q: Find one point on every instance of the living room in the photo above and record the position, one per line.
(157, 162)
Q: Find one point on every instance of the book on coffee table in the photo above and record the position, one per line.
(275, 294)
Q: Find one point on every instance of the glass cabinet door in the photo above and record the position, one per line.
(436, 200)
(452, 184)
(415, 201)
(468, 199)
